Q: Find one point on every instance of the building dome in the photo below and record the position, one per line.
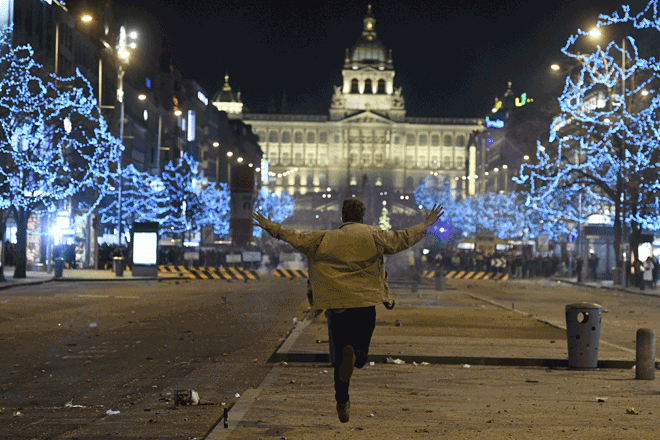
(368, 49)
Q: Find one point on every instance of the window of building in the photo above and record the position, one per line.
(397, 161)
(311, 137)
(285, 158)
(310, 159)
(460, 164)
(435, 140)
(272, 158)
(447, 162)
(298, 159)
(261, 135)
(378, 158)
(298, 137)
(422, 161)
(397, 139)
(354, 158)
(272, 136)
(410, 139)
(323, 160)
(381, 86)
(366, 159)
(355, 86)
(286, 137)
(367, 86)
(323, 137)
(422, 140)
(409, 160)
(460, 140)
(447, 140)
(337, 139)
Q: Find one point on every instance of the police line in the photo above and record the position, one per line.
(207, 273)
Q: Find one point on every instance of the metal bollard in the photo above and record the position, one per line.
(645, 358)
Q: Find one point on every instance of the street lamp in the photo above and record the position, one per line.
(123, 55)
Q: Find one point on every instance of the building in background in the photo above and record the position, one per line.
(366, 145)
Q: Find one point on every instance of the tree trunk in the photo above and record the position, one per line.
(22, 216)
(3, 229)
(617, 243)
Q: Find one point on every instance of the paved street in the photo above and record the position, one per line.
(74, 350)
(127, 346)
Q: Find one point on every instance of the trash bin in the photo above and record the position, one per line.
(583, 334)
(118, 266)
(440, 280)
(59, 267)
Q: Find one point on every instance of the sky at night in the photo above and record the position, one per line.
(451, 58)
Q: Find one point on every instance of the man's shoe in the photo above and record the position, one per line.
(343, 411)
(347, 364)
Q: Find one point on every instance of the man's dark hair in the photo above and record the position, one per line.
(353, 210)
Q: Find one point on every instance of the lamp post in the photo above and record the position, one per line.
(123, 55)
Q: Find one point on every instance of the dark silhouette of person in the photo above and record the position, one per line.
(347, 277)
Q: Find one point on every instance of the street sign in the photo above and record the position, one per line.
(570, 238)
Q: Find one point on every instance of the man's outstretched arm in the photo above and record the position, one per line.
(301, 241)
(397, 241)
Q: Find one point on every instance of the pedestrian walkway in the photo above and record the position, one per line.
(459, 364)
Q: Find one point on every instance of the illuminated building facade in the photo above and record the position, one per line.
(365, 145)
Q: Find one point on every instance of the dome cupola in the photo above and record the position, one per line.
(368, 50)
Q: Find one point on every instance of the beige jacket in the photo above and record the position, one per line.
(346, 267)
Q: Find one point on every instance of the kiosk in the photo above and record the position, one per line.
(145, 249)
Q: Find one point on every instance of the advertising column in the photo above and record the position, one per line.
(242, 200)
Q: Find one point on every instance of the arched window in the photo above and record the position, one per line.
(298, 137)
(286, 137)
(311, 138)
(367, 86)
(285, 158)
(381, 86)
(323, 137)
(272, 136)
(422, 140)
(460, 140)
(447, 140)
(261, 136)
(272, 158)
(435, 140)
(298, 159)
(354, 86)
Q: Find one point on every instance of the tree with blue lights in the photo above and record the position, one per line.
(603, 152)
(278, 207)
(182, 188)
(216, 210)
(54, 143)
(143, 199)
(503, 215)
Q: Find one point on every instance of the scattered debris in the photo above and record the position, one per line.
(398, 323)
(111, 412)
(371, 415)
(372, 363)
(295, 321)
(532, 381)
(389, 360)
(601, 399)
(186, 397)
(237, 395)
(631, 410)
(70, 404)
(466, 366)
(18, 414)
(92, 325)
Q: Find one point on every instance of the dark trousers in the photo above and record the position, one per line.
(351, 327)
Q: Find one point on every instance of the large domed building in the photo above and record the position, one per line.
(366, 145)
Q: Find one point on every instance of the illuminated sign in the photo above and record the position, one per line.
(147, 82)
(145, 247)
(202, 98)
(191, 125)
(6, 13)
(495, 123)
